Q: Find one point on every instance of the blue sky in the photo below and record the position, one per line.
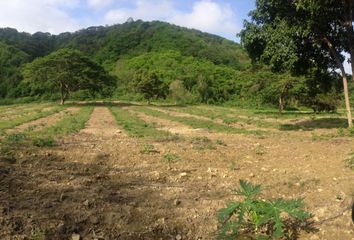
(222, 17)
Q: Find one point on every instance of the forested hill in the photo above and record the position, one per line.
(107, 44)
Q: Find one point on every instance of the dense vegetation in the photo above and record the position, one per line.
(156, 60)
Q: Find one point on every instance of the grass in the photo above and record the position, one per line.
(6, 124)
(135, 126)
(349, 162)
(197, 123)
(171, 157)
(72, 123)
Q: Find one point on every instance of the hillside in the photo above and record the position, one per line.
(108, 44)
(122, 42)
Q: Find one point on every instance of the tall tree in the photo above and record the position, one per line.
(309, 33)
(65, 71)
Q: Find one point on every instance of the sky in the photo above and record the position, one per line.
(221, 17)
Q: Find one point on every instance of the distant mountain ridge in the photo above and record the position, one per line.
(107, 44)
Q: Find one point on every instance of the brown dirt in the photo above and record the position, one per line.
(98, 183)
(45, 122)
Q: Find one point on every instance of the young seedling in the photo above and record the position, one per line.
(260, 219)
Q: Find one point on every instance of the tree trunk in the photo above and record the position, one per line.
(335, 55)
(62, 94)
(281, 103)
(349, 26)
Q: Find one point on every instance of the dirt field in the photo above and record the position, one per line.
(102, 183)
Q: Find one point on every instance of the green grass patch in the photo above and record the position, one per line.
(7, 124)
(71, 123)
(197, 123)
(171, 157)
(135, 126)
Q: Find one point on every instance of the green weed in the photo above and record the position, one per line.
(202, 143)
(349, 162)
(261, 219)
(149, 149)
(44, 142)
(171, 157)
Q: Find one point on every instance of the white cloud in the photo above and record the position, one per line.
(38, 15)
(145, 10)
(206, 15)
(99, 4)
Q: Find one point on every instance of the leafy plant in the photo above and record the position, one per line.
(349, 162)
(44, 142)
(148, 148)
(262, 219)
(171, 157)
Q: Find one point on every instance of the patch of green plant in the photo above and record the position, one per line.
(15, 138)
(197, 123)
(149, 149)
(170, 138)
(257, 218)
(7, 154)
(260, 150)
(220, 142)
(43, 142)
(202, 143)
(227, 115)
(6, 124)
(71, 123)
(135, 126)
(171, 157)
(349, 162)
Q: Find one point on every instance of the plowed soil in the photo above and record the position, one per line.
(100, 184)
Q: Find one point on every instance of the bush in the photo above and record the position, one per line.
(326, 102)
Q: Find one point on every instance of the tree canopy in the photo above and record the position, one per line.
(66, 71)
(302, 35)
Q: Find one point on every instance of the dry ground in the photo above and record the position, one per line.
(100, 184)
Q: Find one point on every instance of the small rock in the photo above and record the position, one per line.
(183, 174)
(178, 237)
(251, 175)
(86, 203)
(264, 169)
(75, 236)
(320, 190)
(177, 202)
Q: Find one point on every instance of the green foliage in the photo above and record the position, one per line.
(11, 60)
(149, 85)
(326, 102)
(188, 77)
(63, 72)
(179, 94)
(44, 142)
(171, 157)
(262, 219)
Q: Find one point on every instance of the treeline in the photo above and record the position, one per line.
(156, 60)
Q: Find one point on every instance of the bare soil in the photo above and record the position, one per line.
(99, 183)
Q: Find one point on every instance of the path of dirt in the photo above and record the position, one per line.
(44, 122)
(98, 184)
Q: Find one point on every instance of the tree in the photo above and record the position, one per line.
(302, 34)
(150, 85)
(65, 71)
